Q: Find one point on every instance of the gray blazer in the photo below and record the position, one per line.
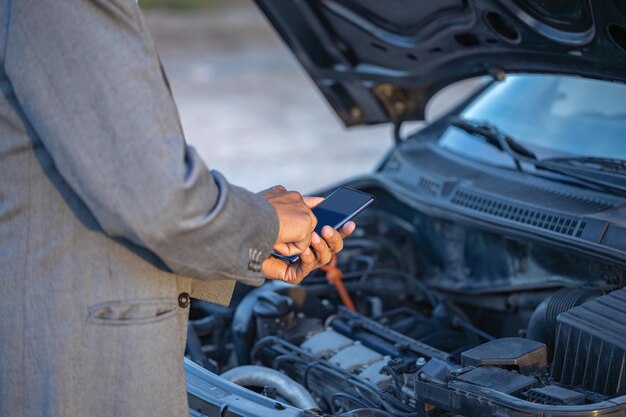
(107, 217)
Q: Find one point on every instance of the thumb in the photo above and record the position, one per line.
(312, 201)
(274, 268)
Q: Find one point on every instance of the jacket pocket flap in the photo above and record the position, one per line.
(131, 312)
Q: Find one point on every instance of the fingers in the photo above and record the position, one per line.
(293, 248)
(274, 268)
(307, 257)
(313, 201)
(333, 239)
(321, 249)
(295, 219)
(347, 229)
(317, 254)
(308, 263)
(291, 273)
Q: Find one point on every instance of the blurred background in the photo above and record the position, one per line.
(247, 105)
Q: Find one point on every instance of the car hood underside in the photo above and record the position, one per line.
(378, 62)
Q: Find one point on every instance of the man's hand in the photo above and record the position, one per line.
(295, 220)
(318, 254)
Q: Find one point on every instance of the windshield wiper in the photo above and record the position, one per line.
(609, 174)
(494, 136)
(605, 172)
(593, 163)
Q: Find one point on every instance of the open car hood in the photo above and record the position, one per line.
(381, 61)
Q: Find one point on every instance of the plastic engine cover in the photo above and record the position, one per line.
(591, 345)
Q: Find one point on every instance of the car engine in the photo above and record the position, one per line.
(425, 317)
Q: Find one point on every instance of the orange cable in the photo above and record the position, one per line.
(335, 277)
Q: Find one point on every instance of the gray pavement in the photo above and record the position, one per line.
(249, 108)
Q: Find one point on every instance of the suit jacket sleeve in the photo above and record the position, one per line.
(88, 79)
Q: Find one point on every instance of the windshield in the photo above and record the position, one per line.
(553, 115)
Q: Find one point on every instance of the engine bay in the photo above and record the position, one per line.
(427, 317)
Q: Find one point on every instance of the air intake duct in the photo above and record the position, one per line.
(542, 325)
(590, 347)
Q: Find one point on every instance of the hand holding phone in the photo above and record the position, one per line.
(337, 209)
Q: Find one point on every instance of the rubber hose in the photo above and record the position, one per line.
(260, 376)
(242, 325)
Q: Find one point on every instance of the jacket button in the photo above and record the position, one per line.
(255, 266)
(184, 300)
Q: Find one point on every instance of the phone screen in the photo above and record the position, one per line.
(337, 209)
(340, 206)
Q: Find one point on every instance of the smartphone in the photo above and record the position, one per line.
(341, 206)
